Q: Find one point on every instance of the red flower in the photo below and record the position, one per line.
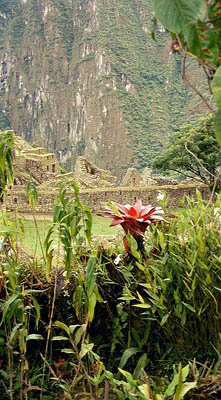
(133, 219)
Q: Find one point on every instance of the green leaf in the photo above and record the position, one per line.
(174, 14)
(135, 253)
(159, 397)
(141, 364)
(216, 86)
(32, 194)
(68, 351)
(145, 391)
(72, 328)
(202, 41)
(199, 198)
(91, 306)
(37, 309)
(186, 387)
(127, 295)
(127, 298)
(62, 326)
(142, 305)
(217, 126)
(90, 267)
(177, 395)
(90, 275)
(86, 347)
(76, 190)
(128, 376)
(88, 222)
(90, 285)
(4, 374)
(7, 305)
(98, 296)
(127, 354)
(79, 333)
(164, 319)
(15, 309)
(140, 297)
(60, 338)
(140, 266)
(192, 37)
(14, 333)
(171, 388)
(34, 336)
(161, 239)
(189, 307)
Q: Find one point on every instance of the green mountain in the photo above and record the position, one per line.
(84, 77)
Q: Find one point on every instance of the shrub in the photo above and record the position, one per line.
(180, 281)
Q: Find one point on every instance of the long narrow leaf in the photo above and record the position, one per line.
(127, 354)
(7, 305)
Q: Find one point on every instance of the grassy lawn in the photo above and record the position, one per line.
(30, 239)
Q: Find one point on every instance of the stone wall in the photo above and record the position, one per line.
(95, 198)
(17, 200)
(148, 195)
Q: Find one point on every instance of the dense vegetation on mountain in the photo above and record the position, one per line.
(86, 78)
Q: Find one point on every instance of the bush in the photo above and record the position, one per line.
(180, 281)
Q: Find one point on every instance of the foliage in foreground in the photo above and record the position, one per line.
(103, 325)
(6, 160)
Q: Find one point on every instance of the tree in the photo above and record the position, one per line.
(195, 28)
(193, 152)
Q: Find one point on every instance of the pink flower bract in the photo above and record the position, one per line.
(133, 219)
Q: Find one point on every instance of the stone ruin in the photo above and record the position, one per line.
(132, 178)
(89, 176)
(135, 178)
(145, 178)
(45, 172)
(34, 162)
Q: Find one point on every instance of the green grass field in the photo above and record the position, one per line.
(30, 240)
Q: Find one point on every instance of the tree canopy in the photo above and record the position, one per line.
(193, 152)
(195, 27)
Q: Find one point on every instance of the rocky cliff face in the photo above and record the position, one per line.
(84, 77)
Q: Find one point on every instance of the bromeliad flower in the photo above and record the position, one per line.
(133, 219)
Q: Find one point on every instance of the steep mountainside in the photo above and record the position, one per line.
(84, 77)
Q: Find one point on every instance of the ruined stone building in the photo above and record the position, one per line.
(34, 163)
(89, 176)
